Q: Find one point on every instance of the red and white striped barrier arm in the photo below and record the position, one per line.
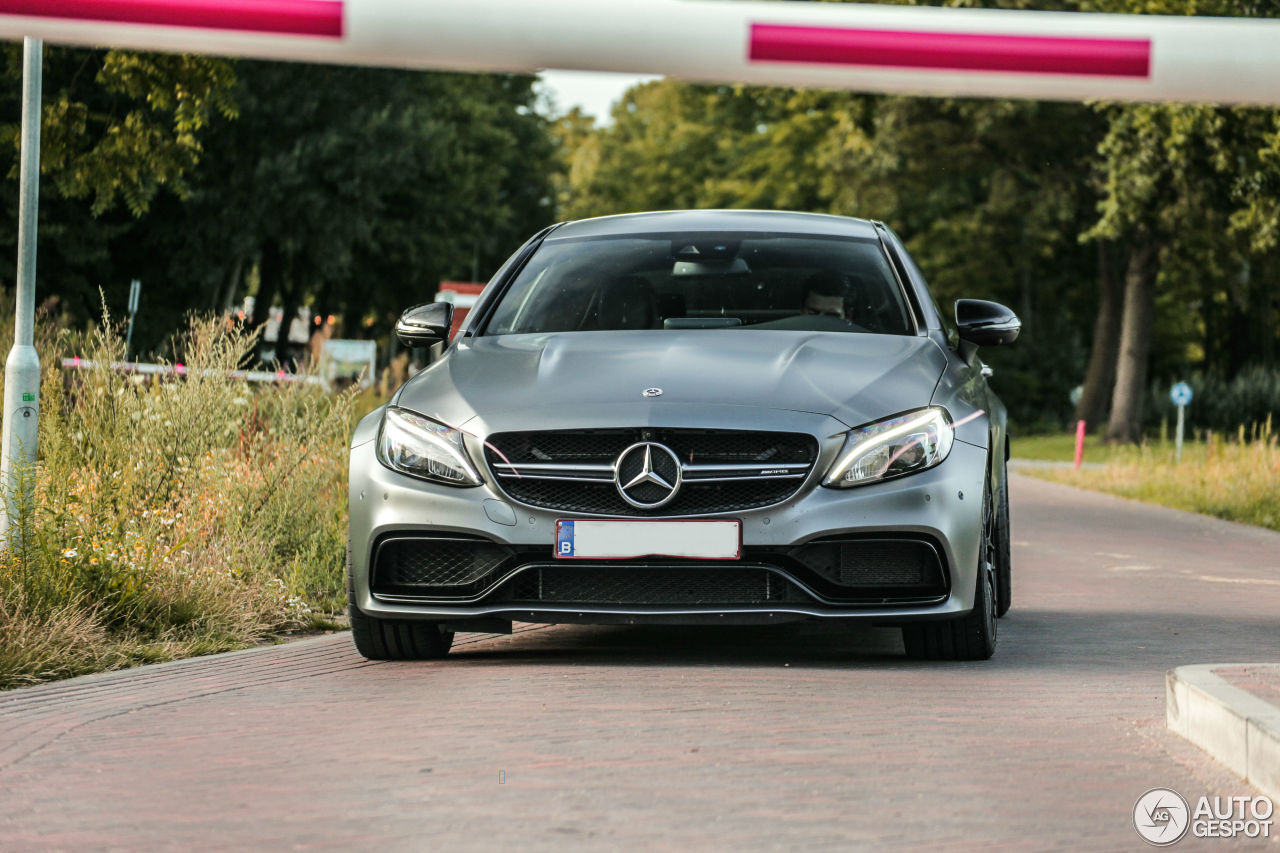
(899, 49)
(150, 369)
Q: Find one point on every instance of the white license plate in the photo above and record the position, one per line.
(594, 539)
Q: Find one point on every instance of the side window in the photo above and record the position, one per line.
(948, 326)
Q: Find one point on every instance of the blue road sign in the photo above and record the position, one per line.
(1180, 394)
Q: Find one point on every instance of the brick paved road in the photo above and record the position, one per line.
(785, 738)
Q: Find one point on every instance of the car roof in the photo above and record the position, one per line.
(717, 220)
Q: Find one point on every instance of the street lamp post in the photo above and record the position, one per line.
(22, 369)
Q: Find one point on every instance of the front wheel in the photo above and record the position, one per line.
(1003, 555)
(398, 639)
(972, 636)
(393, 639)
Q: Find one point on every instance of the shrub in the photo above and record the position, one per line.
(1218, 404)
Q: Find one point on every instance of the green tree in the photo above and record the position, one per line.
(117, 128)
(354, 191)
(1184, 189)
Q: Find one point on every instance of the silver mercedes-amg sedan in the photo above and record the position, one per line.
(691, 417)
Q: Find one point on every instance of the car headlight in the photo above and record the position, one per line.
(891, 448)
(414, 445)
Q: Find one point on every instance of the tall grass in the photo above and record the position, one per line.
(1236, 476)
(172, 517)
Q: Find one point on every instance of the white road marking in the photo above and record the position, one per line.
(1218, 579)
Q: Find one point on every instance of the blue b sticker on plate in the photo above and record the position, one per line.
(564, 538)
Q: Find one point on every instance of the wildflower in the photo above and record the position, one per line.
(70, 553)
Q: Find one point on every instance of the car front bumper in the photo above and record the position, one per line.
(942, 506)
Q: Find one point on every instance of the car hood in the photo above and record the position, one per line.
(597, 378)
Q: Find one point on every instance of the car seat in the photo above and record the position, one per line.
(625, 303)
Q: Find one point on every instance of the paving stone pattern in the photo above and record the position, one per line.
(578, 737)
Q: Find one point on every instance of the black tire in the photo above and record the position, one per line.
(393, 639)
(1003, 555)
(972, 636)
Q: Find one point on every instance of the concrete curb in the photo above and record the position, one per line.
(1234, 726)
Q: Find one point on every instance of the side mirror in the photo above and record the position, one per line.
(424, 325)
(986, 324)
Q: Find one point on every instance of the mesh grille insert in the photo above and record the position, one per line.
(873, 562)
(648, 585)
(443, 566)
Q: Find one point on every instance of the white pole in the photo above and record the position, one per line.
(135, 290)
(22, 369)
(1182, 418)
(866, 47)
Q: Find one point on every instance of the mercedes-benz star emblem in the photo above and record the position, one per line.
(647, 474)
(651, 392)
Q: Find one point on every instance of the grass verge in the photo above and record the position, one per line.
(174, 517)
(1236, 478)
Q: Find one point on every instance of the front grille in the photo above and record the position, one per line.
(648, 585)
(437, 566)
(723, 470)
(603, 499)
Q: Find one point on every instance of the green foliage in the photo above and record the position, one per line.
(1060, 446)
(91, 148)
(673, 145)
(118, 126)
(353, 190)
(1247, 400)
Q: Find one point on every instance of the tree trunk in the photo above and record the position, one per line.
(269, 272)
(287, 352)
(1135, 345)
(1099, 377)
(229, 292)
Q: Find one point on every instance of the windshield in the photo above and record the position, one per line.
(705, 281)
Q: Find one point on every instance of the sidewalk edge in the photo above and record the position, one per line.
(1234, 726)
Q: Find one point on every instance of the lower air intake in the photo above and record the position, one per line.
(623, 585)
(873, 562)
(437, 566)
